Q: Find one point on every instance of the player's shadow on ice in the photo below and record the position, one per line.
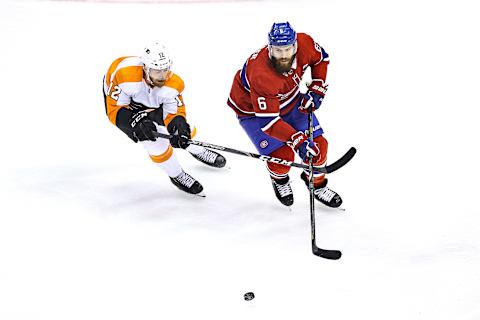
(134, 193)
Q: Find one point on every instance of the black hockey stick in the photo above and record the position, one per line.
(326, 169)
(327, 254)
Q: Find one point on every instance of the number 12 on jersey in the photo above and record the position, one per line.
(115, 93)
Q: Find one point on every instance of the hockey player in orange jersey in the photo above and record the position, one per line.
(142, 95)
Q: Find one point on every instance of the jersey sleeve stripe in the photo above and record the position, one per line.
(270, 124)
(175, 82)
(181, 111)
(325, 57)
(266, 115)
(294, 96)
(243, 77)
(234, 105)
(112, 69)
(129, 74)
(123, 63)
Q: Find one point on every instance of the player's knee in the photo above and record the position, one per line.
(322, 143)
(284, 153)
(323, 146)
(156, 147)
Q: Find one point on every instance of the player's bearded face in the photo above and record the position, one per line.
(158, 77)
(282, 57)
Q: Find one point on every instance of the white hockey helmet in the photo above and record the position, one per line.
(155, 56)
(157, 63)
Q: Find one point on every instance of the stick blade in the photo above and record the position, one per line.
(342, 161)
(327, 254)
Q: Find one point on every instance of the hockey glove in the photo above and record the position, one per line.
(180, 130)
(304, 147)
(314, 97)
(142, 127)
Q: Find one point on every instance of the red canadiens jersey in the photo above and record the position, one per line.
(259, 90)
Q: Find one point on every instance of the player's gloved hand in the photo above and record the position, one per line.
(142, 127)
(304, 147)
(180, 130)
(314, 97)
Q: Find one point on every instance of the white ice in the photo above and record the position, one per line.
(90, 229)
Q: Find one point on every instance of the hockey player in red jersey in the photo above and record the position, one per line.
(266, 98)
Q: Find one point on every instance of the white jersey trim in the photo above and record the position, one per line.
(267, 115)
(320, 80)
(235, 105)
(322, 60)
(284, 104)
(128, 90)
(270, 124)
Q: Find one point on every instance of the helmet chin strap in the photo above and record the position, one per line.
(148, 79)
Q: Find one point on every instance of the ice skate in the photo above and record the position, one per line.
(210, 158)
(283, 190)
(187, 183)
(324, 194)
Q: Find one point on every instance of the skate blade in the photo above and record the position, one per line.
(321, 205)
(201, 194)
(336, 209)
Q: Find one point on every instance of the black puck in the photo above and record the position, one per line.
(248, 296)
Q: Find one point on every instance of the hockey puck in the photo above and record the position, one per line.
(248, 296)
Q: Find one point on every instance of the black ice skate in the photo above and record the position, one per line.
(283, 190)
(324, 194)
(210, 158)
(187, 183)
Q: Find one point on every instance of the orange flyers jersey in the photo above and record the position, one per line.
(125, 87)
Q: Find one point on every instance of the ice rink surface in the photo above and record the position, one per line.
(90, 229)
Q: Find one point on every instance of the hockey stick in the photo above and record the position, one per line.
(327, 254)
(326, 169)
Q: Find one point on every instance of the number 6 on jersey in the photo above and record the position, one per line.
(262, 105)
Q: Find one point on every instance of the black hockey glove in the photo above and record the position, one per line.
(142, 127)
(180, 130)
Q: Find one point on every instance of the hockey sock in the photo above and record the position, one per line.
(195, 149)
(279, 171)
(162, 154)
